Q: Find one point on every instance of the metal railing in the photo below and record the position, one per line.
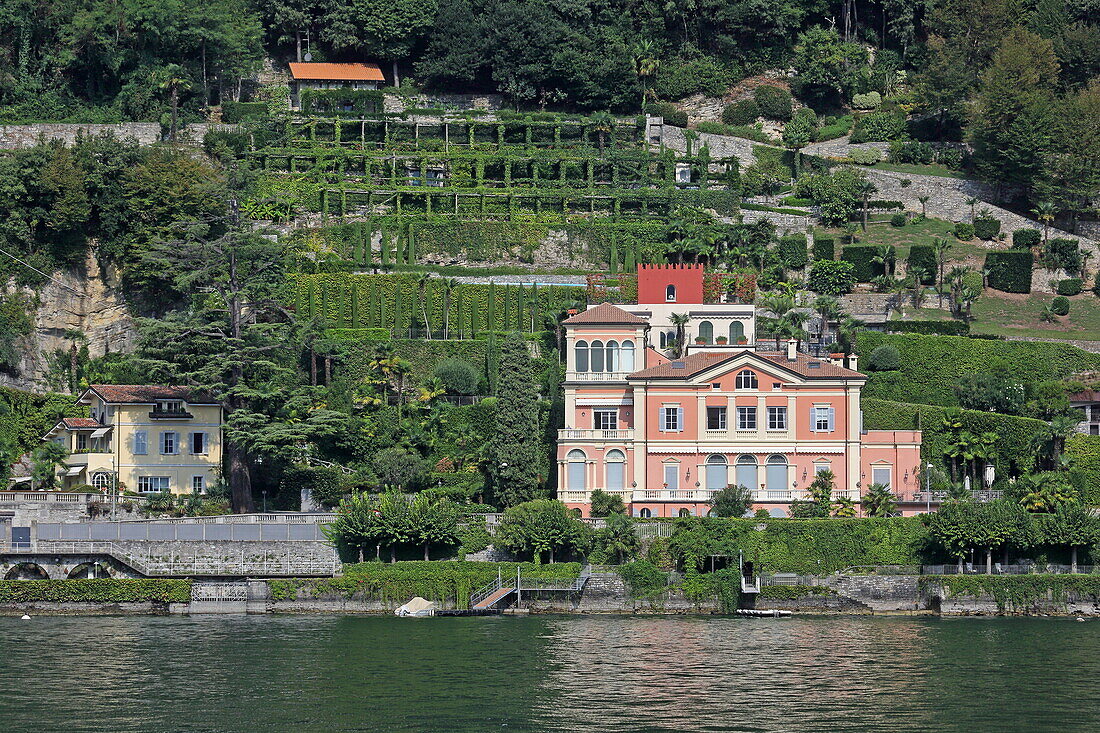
(786, 579)
(1003, 569)
(487, 590)
(219, 592)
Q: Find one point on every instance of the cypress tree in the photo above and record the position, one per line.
(517, 446)
(384, 248)
(613, 259)
(311, 296)
(507, 308)
(398, 312)
(324, 308)
(456, 317)
(491, 307)
(631, 263)
(355, 306)
(410, 251)
(474, 326)
(372, 309)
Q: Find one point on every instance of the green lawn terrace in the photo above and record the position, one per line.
(476, 169)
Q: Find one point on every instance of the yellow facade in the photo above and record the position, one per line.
(160, 445)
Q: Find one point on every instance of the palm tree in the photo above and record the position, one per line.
(777, 305)
(680, 320)
(1045, 212)
(828, 309)
(432, 388)
(848, 332)
(866, 188)
(422, 286)
(898, 288)
(879, 501)
(916, 275)
(172, 81)
(942, 246)
(923, 201)
(885, 255)
(972, 202)
(646, 64)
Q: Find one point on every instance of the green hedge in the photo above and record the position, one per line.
(930, 364)
(860, 255)
(792, 251)
(987, 228)
(106, 590)
(443, 582)
(1085, 452)
(1014, 433)
(234, 112)
(924, 257)
(1069, 286)
(1017, 593)
(1010, 271)
(824, 248)
(942, 328)
(1026, 238)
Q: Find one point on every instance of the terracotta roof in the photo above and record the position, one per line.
(81, 423)
(1089, 395)
(148, 393)
(693, 364)
(605, 313)
(335, 72)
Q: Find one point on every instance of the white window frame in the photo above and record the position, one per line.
(164, 443)
(777, 418)
(746, 418)
(722, 414)
(824, 417)
(141, 443)
(198, 484)
(671, 470)
(82, 442)
(154, 484)
(671, 419)
(746, 379)
(613, 423)
(889, 469)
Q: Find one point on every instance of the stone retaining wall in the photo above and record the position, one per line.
(721, 146)
(14, 137)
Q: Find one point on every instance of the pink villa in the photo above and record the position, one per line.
(666, 433)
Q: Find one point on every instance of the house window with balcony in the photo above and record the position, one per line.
(777, 418)
(82, 442)
(605, 419)
(575, 470)
(151, 484)
(596, 354)
(616, 470)
(746, 418)
(626, 356)
(882, 475)
(672, 476)
(169, 443)
(611, 356)
(580, 353)
(746, 379)
(716, 418)
(775, 476)
(736, 331)
(822, 419)
(170, 406)
(706, 331)
(746, 472)
(672, 419)
(716, 473)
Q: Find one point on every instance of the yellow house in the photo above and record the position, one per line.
(153, 438)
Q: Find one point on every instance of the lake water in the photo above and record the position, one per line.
(548, 673)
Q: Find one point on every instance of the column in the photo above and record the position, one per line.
(761, 417)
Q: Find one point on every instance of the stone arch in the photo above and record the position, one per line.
(27, 571)
(88, 570)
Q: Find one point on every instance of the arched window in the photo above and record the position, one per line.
(645, 514)
(685, 512)
(574, 479)
(716, 473)
(597, 356)
(706, 331)
(616, 470)
(776, 473)
(670, 293)
(746, 379)
(611, 360)
(101, 480)
(737, 331)
(746, 472)
(581, 352)
(667, 338)
(626, 356)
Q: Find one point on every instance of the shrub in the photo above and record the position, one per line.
(458, 376)
(941, 328)
(100, 590)
(1070, 286)
(864, 269)
(865, 156)
(898, 220)
(883, 204)
(884, 359)
(796, 201)
(870, 100)
(882, 126)
(234, 112)
(1062, 252)
(911, 152)
(964, 231)
(833, 130)
(986, 227)
(831, 277)
(792, 251)
(327, 485)
(671, 115)
(774, 103)
(744, 112)
(1060, 305)
(1026, 238)
(700, 75)
(1010, 271)
(924, 257)
(824, 248)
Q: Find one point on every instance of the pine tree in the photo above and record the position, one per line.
(517, 446)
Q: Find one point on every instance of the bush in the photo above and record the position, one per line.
(792, 251)
(986, 227)
(870, 100)
(1010, 271)
(884, 205)
(774, 103)
(1026, 238)
(833, 130)
(100, 590)
(964, 231)
(824, 248)
(744, 112)
(861, 256)
(1070, 286)
(941, 328)
(924, 257)
(1062, 253)
(327, 486)
(459, 376)
(831, 277)
(700, 75)
(1060, 306)
(865, 156)
(899, 220)
(884, 359)
(671, 115)
(882, 126)
(234, 112)
(796, 201)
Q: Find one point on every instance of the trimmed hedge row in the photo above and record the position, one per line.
(1010, 270)
(930, 364)
(924, 257)
(100, 590)
(824, 248)
(1014, 433)
(1017, 593)
(1085, 451)
(860, 255)
(941, 328)
(792, 251)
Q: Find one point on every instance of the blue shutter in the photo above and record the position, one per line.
(832, 419)
(661, 419)
(679, 419)
(813, 419)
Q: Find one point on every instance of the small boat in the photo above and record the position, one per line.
(417, 607)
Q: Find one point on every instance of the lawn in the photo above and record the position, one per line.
(1012, 316)
(916, 232)
(932, 169)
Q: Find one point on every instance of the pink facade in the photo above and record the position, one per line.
(665, 433)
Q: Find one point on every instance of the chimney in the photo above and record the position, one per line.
(852, 362)
(792, 350)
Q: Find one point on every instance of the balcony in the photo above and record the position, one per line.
(596, 376)
(697, 495)
(585, 434)
(170, 415)
(583, 497)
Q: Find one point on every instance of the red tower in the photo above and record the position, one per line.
(670, 283)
